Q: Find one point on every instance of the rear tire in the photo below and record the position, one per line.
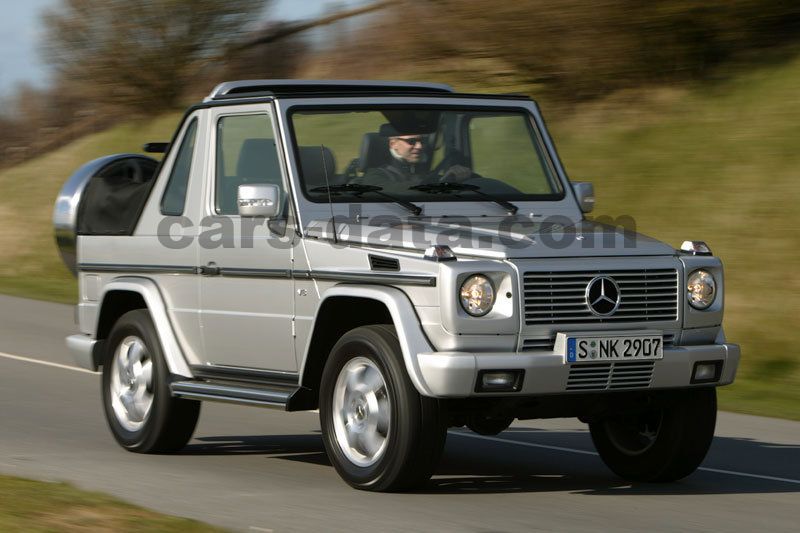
(662, 444)
(379, 432)
(140, 410)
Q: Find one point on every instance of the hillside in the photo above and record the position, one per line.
(716, 163)
(32, 266)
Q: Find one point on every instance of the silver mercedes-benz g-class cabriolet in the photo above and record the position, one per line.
(403, 258)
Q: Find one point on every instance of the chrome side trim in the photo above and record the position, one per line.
(255, 273)
(371, 277)
(98, 268)
(322, 275)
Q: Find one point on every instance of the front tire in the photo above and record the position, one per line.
(140, 410)
(663, 443)
(379, 432)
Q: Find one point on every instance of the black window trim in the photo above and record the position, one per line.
(233, 113)
(560, 195)
(192, 122)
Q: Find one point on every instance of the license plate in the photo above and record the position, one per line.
(593, 349)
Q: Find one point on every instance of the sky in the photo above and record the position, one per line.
(19, 36)
(21, 30)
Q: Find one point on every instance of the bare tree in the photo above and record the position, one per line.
(143, 53)
(284, 30)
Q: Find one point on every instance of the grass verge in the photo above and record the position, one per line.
(36, 506)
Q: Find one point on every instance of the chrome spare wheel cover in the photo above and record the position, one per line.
(361, 412)
(131, 383)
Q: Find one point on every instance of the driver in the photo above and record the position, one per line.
(407, 165)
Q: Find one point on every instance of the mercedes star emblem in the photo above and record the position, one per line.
(602, 296)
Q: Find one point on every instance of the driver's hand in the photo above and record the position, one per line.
(457, 173)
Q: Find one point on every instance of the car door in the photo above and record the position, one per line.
(246, 287)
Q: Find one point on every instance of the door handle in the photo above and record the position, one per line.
(210, 269)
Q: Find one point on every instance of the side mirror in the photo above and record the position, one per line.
(259, 200)
(584, 192)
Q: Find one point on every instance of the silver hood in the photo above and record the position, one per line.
(497, 238)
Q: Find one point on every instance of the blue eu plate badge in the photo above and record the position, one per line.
(571, 350)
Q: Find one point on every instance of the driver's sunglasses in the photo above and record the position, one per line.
(412, 141)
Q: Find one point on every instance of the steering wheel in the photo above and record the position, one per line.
(457, 174)
(453, 158)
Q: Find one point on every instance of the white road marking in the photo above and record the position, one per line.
(586, 452)
(46, 363)
(523, 443)
(254, 528)
(758, 476)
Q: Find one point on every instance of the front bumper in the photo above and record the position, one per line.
(454, 374)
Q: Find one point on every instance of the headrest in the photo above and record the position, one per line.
(374, 151)
(258, 159)
(312, 168)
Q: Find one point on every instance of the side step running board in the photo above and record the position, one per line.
(198, 390)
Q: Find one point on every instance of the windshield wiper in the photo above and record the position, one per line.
(447, 186)
(357, 190)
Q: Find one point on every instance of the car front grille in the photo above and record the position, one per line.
(610, 375)
(545, 343)
(560, 297)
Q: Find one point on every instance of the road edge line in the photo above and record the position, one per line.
(46, 363)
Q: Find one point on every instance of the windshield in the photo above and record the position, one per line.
(421, 154)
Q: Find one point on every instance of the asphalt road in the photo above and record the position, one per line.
(260, 470)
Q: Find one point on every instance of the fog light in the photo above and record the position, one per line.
(499, 380)
(707, 371)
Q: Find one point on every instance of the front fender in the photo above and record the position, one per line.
(409, 331)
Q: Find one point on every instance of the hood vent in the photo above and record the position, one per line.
(377, 262)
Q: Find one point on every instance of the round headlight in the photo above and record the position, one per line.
(701, 289)
(477, 295)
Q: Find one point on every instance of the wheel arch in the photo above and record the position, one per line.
(336, 315)
(128, 293)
